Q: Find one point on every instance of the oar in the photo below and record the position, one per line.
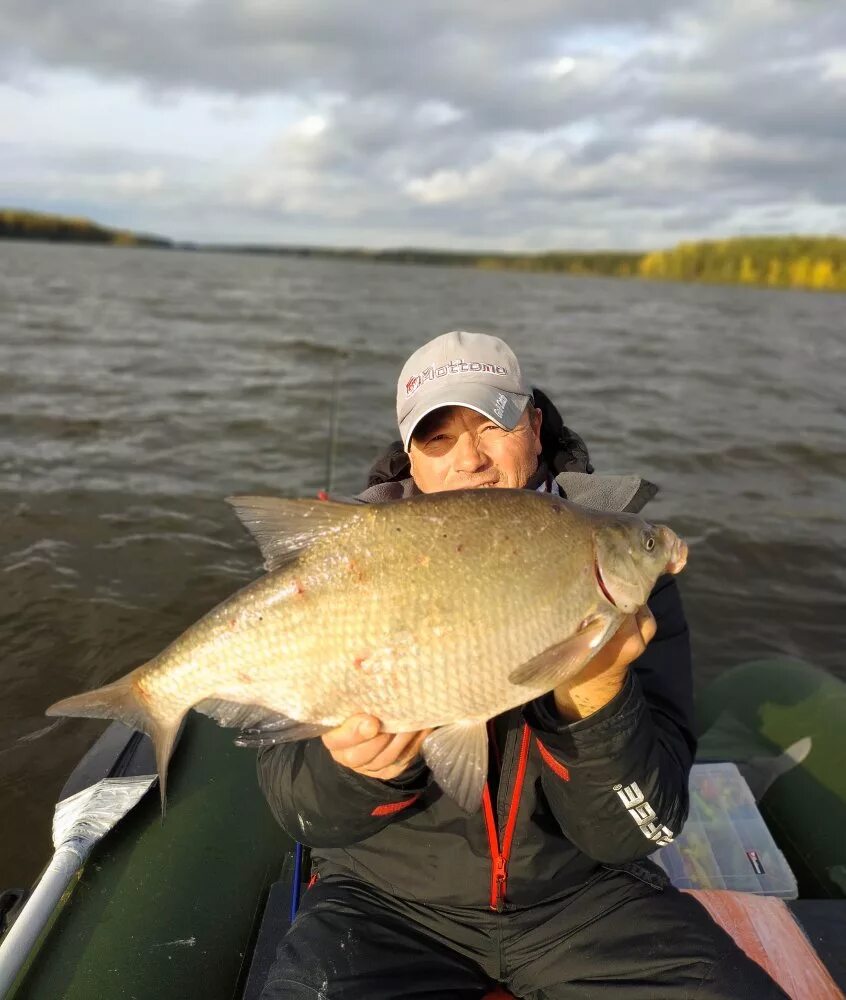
(79, 822)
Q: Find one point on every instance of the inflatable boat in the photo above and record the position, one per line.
(194, 906)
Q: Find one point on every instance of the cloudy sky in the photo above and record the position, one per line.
(456, 123)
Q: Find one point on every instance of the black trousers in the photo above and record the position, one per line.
(616, 936)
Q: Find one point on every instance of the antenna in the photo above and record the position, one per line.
(334, 409)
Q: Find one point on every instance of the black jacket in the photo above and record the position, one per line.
(608, 789)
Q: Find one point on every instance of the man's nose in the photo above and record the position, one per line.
(469, 456)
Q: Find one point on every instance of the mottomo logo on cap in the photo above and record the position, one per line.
(460, 368)
(455, 367)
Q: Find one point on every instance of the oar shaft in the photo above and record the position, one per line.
(20, 939)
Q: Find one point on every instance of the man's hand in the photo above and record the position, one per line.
(358, 745)
(605, 674)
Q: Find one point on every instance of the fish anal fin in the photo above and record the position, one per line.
(556, 663)
(121, 700)
(261, 726)
(283, 526)
(457, 756)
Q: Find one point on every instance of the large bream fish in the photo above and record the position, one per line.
(442, 610)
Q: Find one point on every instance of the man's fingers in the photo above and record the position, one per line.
(400, 752)
(352, 732)
(364, 754)
(627, 643)
(394, 752)
(637, 629)
(646, 624)
(358, 744)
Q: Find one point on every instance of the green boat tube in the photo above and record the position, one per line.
(754, 712)
(169, 909)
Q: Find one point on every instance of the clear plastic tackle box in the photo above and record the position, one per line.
(725, 843)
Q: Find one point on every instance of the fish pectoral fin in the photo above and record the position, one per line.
(282, 527)
(279, 729)
(564, 659)
(257, 719)
(457, 756)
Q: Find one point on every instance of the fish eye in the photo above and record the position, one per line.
(648, 541)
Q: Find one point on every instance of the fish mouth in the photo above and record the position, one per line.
(597, 572)
(678, 557)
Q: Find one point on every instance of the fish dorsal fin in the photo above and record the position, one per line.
(283, 527)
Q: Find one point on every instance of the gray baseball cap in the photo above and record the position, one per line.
(461, 369)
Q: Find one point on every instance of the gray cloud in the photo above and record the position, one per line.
(589, 121)
(254, 46)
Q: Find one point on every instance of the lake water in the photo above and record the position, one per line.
(138, 388)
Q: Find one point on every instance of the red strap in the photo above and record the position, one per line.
(389, 808)
(555, 766)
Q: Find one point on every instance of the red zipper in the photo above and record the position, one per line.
(499, 857)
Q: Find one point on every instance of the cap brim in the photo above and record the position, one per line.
(504, 408)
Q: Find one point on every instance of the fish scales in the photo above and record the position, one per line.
(393, 638)
(437, 611)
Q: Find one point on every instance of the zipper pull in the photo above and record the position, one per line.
(500, 879)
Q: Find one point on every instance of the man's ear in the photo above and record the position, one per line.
(536, 422)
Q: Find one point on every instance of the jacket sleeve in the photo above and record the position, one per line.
(323, 804)
(616, 781)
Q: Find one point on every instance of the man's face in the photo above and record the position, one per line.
(456, 448)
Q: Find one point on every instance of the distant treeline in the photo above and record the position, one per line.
(614, 264)
(816, 262)
(610, 263)
(776, 261)
(19, 225)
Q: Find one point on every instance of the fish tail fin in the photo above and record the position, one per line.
(164, 740)
(123, 700)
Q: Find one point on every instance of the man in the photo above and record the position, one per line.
(545, 889)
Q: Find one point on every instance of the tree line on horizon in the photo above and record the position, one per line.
(811, 262)
(815, 262)
(17, 224)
